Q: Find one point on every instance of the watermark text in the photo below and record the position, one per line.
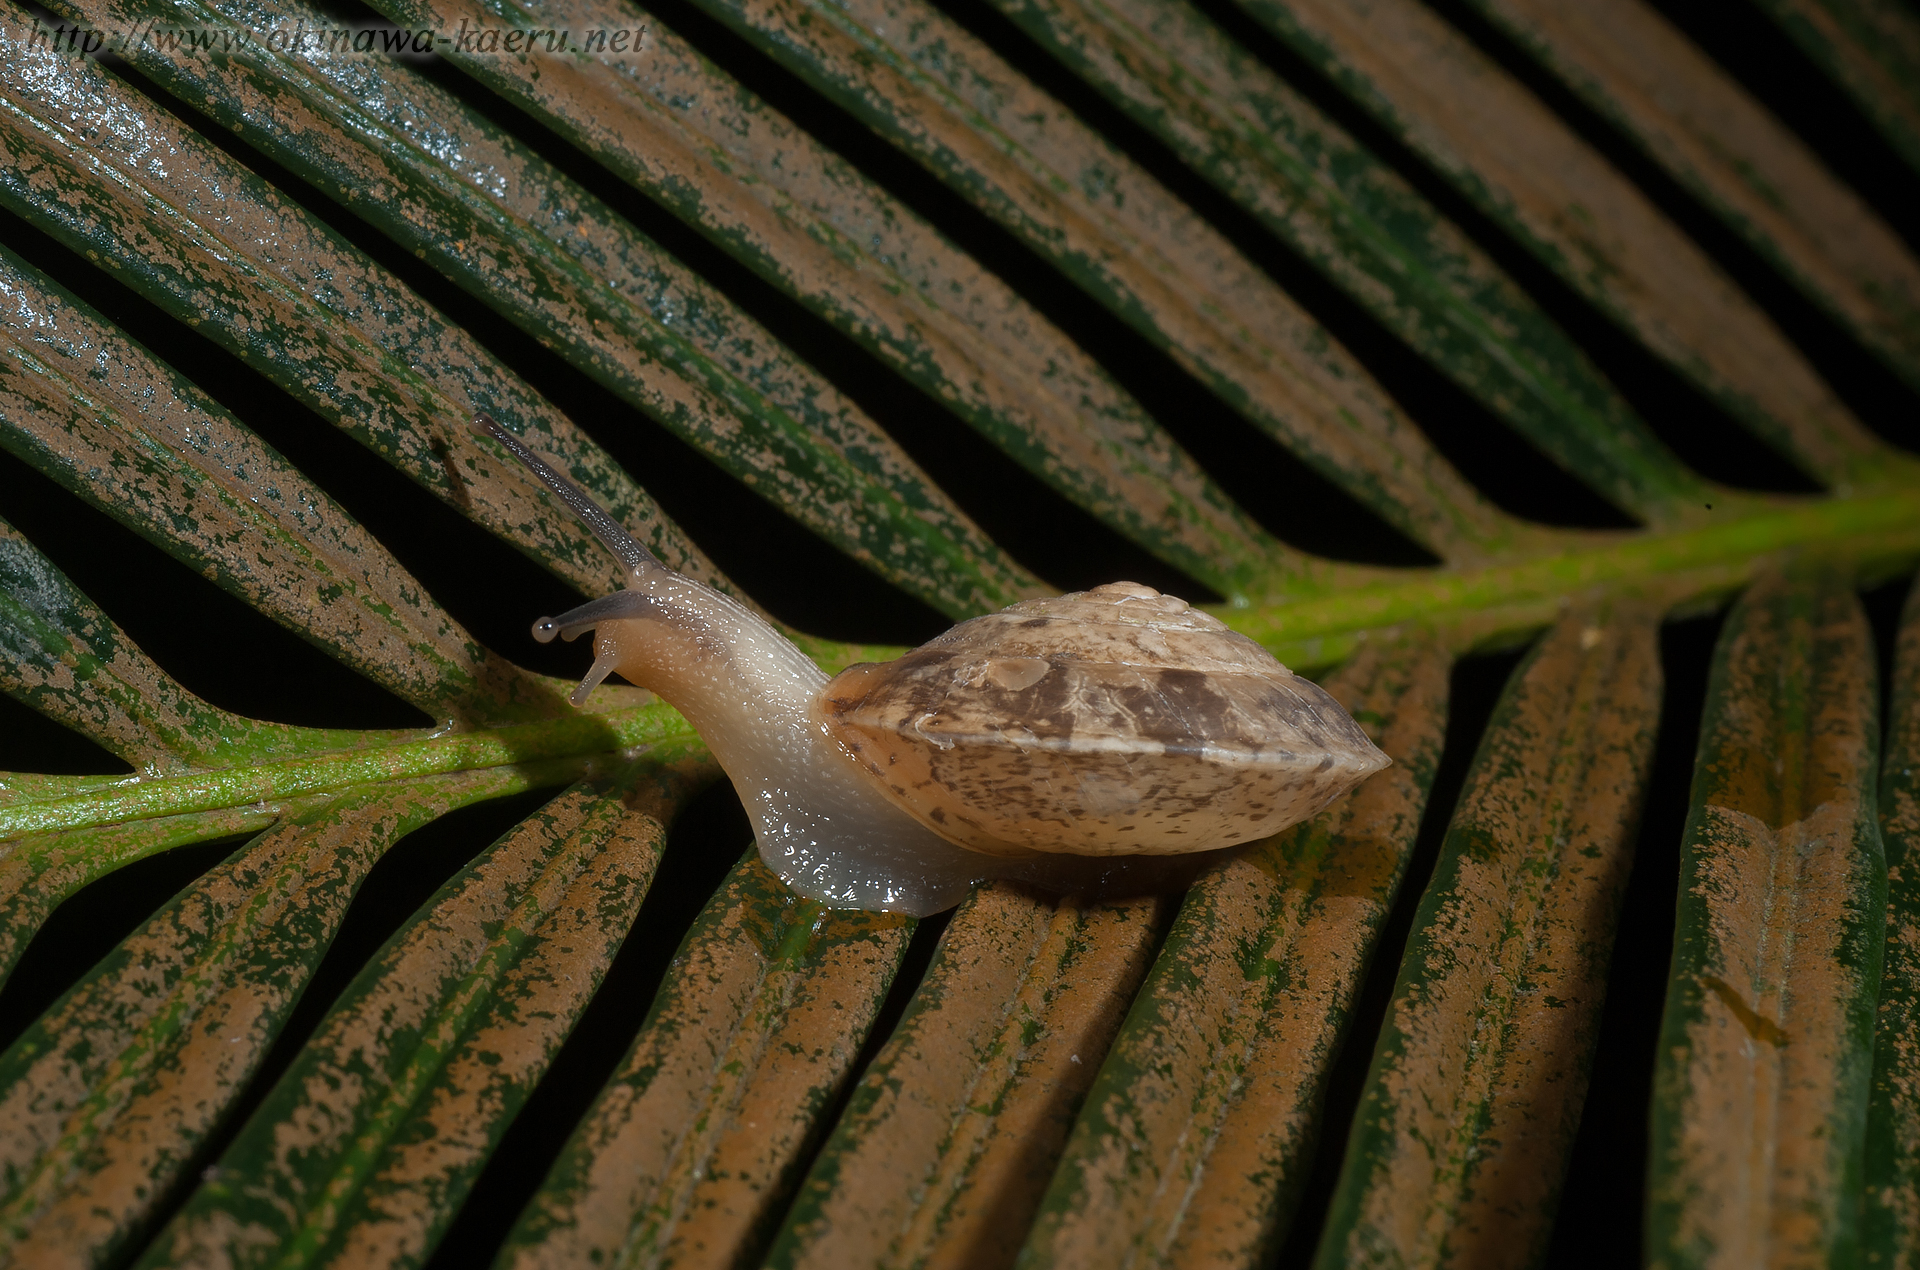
(346, 40)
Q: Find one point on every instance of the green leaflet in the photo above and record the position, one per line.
(1766, 1047)
(1459, 1144)
(810, 224)
(922, 82)
(1768, 186)
(37, 873)
(64, 657)
(695, 1142)
(948, 1141)
(1484, 132)
(504, 224)
(1200, 1128)
(570, 738)
(1190, 1142)
(1871, 49)
(98, 414)
(225, 253)
(409, 1083)
(1261, 143)
(93, 410)
(15, 786)
(1890, 1228)
(105, 1097)
(1491, 607)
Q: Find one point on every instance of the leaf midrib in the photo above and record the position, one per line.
(1502, 600)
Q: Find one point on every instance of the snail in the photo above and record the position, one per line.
(1066, 742)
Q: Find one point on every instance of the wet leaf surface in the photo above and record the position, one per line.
(945, 1147)
(1199, 1131)
(691, 1151)
(104, 1098)
(367, 1147)
(920, 80)
(718, 157)
(568, 271)
(1317, 189)
(1766, 1049)
(254, 1076)
(1456, 1153)
(1890, 1227)
(1770, 187)
(1520, 165)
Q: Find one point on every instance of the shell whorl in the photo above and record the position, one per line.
(1119, 623)
(1111, 721)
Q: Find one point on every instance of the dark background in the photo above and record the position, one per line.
(230, 655)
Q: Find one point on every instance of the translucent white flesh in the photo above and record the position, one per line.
(821, 824)
(749, 693)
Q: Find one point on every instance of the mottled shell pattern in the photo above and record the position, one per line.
(1116, 721)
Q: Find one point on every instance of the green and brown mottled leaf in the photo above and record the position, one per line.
(1871, 49)
(1519, 164)
(1890, 1227)
(1766, 1048)
(1627, 62)
(693, 1148)
(96, 166)
(680, 130)
(93, 410)
(1198, 1134)
(1460, 1141)
(561, 265)
(925, 84)
(370, 1142)
(944, 1149)
(69, 661)
(1317, 189)
(1062, 1088)
(105, 1097)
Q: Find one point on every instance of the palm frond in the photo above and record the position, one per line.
(1114, 240)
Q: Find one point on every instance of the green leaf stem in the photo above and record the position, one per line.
(1094, 1079)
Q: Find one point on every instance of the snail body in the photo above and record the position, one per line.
(1062, 741)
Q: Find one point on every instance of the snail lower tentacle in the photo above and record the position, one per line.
(604, 664)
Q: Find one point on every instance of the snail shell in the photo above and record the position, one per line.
(1074, 742)
(1116, 721)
